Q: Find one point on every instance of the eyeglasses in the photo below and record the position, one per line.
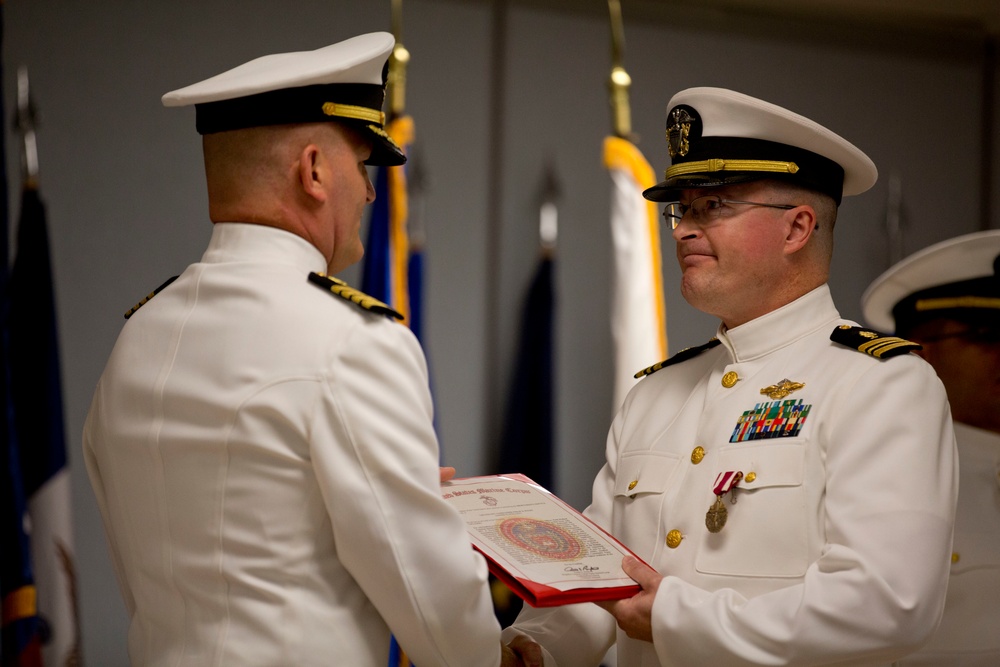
(707, 208)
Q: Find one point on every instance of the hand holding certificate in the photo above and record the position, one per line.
(544, 550)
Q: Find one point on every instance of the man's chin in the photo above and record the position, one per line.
(345, 260)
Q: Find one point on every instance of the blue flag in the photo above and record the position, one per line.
(415, 282)
(375, 279)
(34, 347)
(20, 634)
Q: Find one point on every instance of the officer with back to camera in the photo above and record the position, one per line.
(261, 443)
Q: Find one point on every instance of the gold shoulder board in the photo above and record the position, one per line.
(345, 291)
(878, 345)
(683, 355)
(131, 311)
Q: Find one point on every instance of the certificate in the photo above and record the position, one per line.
(544, 550)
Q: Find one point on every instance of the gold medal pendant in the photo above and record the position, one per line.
(716, 516)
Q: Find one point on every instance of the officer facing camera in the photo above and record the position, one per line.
(792, 481)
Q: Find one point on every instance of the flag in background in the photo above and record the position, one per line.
(386, 264)
(527, 443)
(38, 416)
(528, 428)
(415, 282)
(528, 438)
(416, 182)
(638, 313)
(20, 631)
(20, 641)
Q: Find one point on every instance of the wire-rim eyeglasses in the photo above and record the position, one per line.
(708, 208)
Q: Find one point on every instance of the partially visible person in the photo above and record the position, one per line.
(261, 443)
(791, 483)
(947, 298)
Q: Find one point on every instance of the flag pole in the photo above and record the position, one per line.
(638, 310)
(25, 122)
(619, 81)
(398, 61)
(894, 218)
(385, 272)
(548, 214)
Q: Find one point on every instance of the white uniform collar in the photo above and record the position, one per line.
(807, 314)
(245, 242)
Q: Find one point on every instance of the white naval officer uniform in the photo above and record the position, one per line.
(837, 548)
(264, 459)
(968, 635)
(957, 279)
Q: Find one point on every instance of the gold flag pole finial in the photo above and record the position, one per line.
(620, 81)
(24, 123)
(397, 64)
(548, 214)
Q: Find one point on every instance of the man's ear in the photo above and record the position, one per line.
(313, 173)
(801, 228)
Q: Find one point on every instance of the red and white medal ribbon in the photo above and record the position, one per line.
(726, 481)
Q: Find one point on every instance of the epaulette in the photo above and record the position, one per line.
(345, 291)
(131, 311)
(683, 355)
(878, 345)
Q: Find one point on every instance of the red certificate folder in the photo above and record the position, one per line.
(543, 549)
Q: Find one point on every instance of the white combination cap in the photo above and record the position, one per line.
(718, 137)
(343, 82)
(957, 279)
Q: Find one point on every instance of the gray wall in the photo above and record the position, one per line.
(122, 177)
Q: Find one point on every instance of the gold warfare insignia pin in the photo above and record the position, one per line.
(781, 389)
(679, 131)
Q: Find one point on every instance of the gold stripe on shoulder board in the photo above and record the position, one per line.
(131, 311)
(874, 343)
(343, 290)
(683, 355)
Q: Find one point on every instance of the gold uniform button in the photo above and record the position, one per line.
(751, 476)
(674, 538)
(697, 454)
(631, 485)
(955, 557)
(730, 379)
